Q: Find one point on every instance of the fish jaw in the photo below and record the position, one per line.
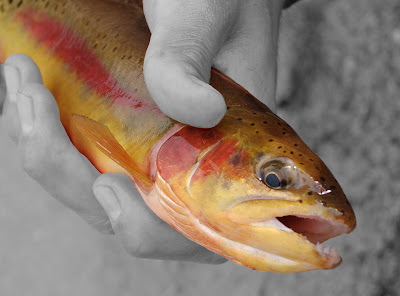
(286, 229)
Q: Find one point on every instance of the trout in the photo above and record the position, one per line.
(248, 189)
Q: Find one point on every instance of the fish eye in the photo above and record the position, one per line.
(278, 174)
(272, 180)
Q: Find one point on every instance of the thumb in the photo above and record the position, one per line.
(186, 35)
(142, 233)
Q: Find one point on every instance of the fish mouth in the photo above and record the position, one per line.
(305, 226)
(313, 229)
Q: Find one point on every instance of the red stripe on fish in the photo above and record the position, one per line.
(72, 50)
(181, 151)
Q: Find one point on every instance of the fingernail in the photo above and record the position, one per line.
(108, 201)
(13, 82)
(26, 114)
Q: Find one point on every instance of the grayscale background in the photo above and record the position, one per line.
(339, 87)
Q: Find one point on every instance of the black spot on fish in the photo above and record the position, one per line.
(240, 119)
(322, 179)
(309, 192)
(324, 203)
(284, 151)
(295, 145)
(301, 163)
(227, 107)
(254, 113)
(271, 140)
(257, 132)
(252, 124)
(236, 159)
(279, 147)
(311, 159)
(115, 48)
(259, 155)
(278, 123)
(265, 122)
(300, 154)
(332, 187)
(283, 133)
(300, 201)
(129, 57)
(342, 211)
(291, 152)
(123, 57)
(95, 46)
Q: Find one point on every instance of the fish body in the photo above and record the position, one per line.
(248, 189)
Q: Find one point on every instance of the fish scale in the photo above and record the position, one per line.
(209, 184)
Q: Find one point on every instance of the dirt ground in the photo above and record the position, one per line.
(339, 89)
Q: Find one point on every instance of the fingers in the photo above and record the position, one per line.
(49, 157)
(186, 35)
(17, 70)
(250, 56)
(143, 234)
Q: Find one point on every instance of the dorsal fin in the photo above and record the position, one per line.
(105, 141)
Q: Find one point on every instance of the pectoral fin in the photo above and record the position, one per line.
(105, 141)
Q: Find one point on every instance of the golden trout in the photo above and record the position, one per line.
(248, 189)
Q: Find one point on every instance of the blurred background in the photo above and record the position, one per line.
(339, 87)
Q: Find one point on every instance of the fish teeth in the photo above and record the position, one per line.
(329, 253)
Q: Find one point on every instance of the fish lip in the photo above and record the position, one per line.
(258, 197)
(329, 254)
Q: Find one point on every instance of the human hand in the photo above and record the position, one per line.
(239, 38)
(31, 117)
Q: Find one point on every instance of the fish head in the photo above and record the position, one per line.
(253, 186)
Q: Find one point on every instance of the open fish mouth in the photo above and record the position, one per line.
(313, 229)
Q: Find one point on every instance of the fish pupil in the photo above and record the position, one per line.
(272, 181)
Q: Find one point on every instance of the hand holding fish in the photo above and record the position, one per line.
(48, 156)
(239, 38)
(248, 189)
(31, 117)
